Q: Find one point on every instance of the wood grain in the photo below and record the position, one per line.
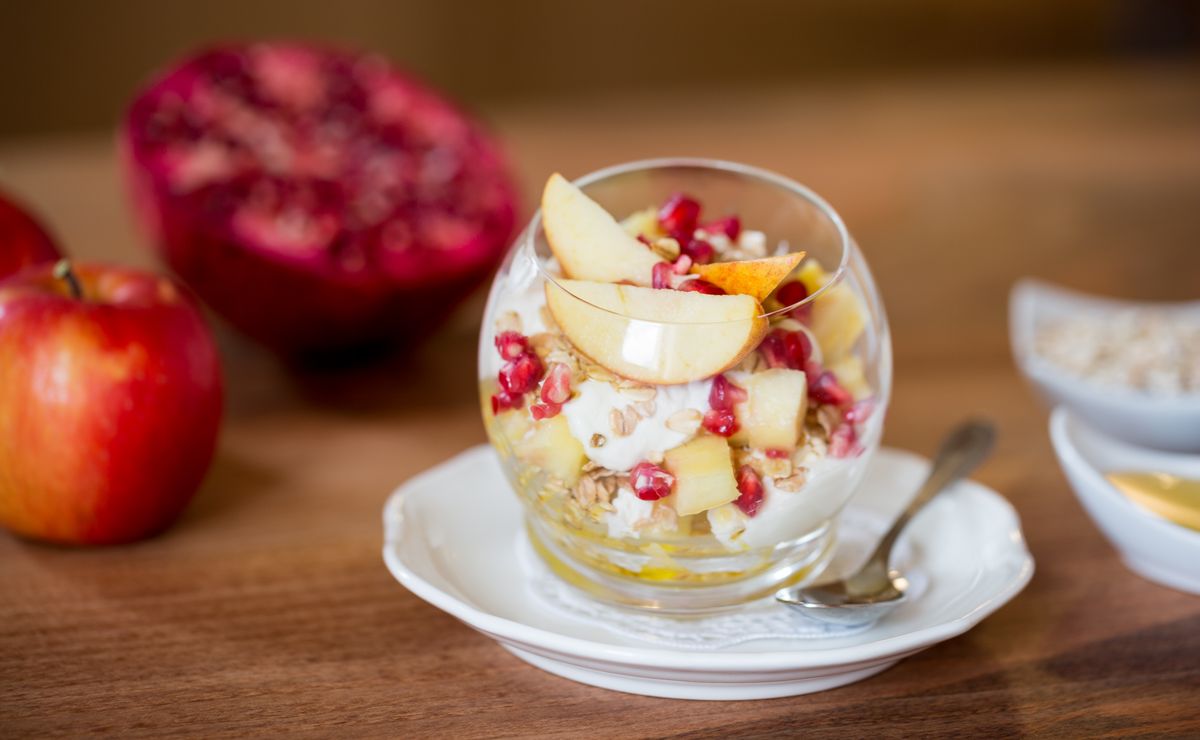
(267, 608)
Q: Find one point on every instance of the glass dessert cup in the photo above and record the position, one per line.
(683, 443)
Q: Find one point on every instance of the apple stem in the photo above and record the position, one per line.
(63, 271)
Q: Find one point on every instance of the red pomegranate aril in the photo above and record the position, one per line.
(678, 216)
(503, 401)
(788, 349)
(660, 275)
(642, 238)
(721, 422)
(556, 389)
(776, 454)
(730, 226)
(724, 394)
(650, 482)
(541, 411)
(860, 411)
(511, 344)
(700, 286)
(826, 389)
(521, 375)
(751, 489)
(792, 293)
(701, 252)
(844, 442)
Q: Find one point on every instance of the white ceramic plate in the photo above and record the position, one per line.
(454, 537)
(1151, 546)
(1162, 422)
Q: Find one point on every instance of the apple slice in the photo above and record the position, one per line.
(703, 470)
(755, 278)
(589, 243)
(664, 337)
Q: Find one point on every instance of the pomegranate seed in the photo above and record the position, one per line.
(730, 226)
(783, 348)
(650, 482)
(504, 401)
(701, 252)
(751, 489)
(511, 344)
(826, 389)
(844, 442)
(792, 293)
(541, 411)
(522, 374)
(642, 238)
(683, 264)
(700, 286)
(557, 388)
(721, 422)
(660, 275)
(724, 394)
(775, 454)
(678, 216)
(860, 412)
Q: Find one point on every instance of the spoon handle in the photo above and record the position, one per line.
(961, 452)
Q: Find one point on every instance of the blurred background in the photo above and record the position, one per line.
(993, 139)
(70, 65)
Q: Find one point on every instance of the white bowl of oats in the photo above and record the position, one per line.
(1130, 369)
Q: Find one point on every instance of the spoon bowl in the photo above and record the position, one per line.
(875, 590)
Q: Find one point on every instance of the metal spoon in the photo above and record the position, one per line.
(874, 590)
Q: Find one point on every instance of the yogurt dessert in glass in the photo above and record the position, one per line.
(684, 366)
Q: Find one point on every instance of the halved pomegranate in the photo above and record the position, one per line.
(317, 199)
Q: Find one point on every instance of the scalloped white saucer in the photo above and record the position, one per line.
(454, 536)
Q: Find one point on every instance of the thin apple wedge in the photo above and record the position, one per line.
(588, 242)
(756, 278)
(663, 337)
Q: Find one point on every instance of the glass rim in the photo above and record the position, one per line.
(721, 165)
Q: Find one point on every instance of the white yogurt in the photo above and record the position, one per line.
(588, 415)
(629, 512)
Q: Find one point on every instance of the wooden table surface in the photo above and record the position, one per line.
(267, 608)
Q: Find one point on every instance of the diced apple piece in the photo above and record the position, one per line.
(849, 374)
(551, 447)
(838, 319)
(773, 413)
(755, 278)
(642, 223)
(663, 337)
(812, 275)
(588, 243)
(703, 470)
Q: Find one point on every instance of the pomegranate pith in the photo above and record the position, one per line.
(316, 199)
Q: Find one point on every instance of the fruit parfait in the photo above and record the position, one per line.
(684, 367)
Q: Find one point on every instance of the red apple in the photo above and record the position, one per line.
(23, 241)
(110, 400)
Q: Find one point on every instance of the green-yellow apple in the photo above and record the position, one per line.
(110, 402)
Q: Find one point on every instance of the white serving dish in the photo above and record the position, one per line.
(1151, 546)
(1161, 422)
(454, 536)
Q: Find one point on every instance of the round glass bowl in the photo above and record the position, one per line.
(677, 450)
